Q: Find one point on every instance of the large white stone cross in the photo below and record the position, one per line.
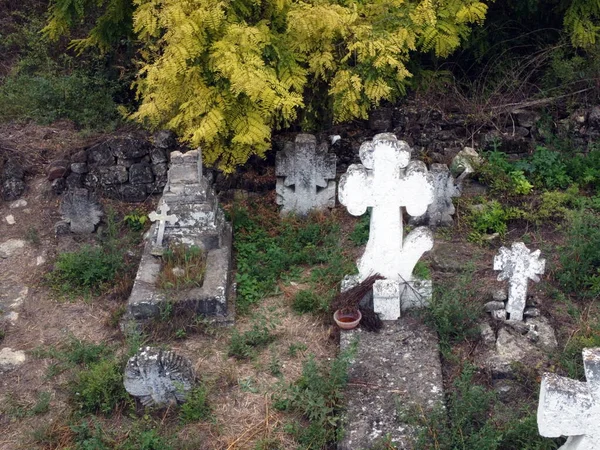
(386, 181)
(572, 408)
(162, 217)
(518, 265)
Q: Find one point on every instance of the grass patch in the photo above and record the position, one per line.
(472, 420)
(454, 312)
(182, 267)
(245, 345)
(196, 407)
(268, 247)
(318, 397)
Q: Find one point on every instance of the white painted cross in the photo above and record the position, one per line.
(162, 217)
(386, 181)
(572, 408)
(518, 265)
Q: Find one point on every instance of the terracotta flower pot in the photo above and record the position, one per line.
(347, 320)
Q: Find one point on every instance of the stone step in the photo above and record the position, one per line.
(397, 367)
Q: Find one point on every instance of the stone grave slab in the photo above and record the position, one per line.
(394, 370)
(195, 219)
(305, 176)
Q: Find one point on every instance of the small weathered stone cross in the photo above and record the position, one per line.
(518, 265)
(162, 217)
(386, 181)
(303, 171)
(572, 408)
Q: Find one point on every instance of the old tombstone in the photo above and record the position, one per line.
(162, 217)
(82, 210)
(572, 408)
(387, 181)
(441, 210)
(518, 265)
(194, 219)
(305, 174)
(158, 377)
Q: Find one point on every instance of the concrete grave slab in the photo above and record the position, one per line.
(395, 369)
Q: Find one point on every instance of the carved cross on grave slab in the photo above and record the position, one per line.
(387, 181)
(518, 265)
(303, 172)
(158, 377)
(162, 217)
(572, 408)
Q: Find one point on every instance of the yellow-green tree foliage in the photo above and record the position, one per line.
(223, 74)
(582, 22)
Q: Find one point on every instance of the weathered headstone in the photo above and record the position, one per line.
(82, 210)
(305, 175)
(194, 219)
(518, 265)
(162, 217)
(441, 210)
(386, 181)
(158, 377)
(572, 408)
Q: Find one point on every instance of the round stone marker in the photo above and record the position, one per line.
(159, 377)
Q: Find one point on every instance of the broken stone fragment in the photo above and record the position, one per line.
(11, 359)
(499, 314)
(493, 306)
(499, 295)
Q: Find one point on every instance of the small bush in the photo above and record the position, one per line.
(580, 257)
(548, 169)
(318, 396)
(309, 302)
(191, 261)
(244, 345)
(360, 233)
(453, 313)
(85, 271)
(45, 98)
(196, 406)
(99, 388)
(490, 217)
(502, 176)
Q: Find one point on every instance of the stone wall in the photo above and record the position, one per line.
(125, 167)
(437, 136)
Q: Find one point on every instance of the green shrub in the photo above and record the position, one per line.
(360, 233)
(502, 176)
(318, 396)
(580, 256)
(85, 271)
(548, 169)
(267, 249)
(144, 440)
(470, 424)
(453, 313)
(45, 98)
(99, 388)
(490, 217)
(244, 345)
(196, 406)
(309, 302)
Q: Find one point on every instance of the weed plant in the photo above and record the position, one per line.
(268, 246)
(469, 422)
(318, 396)
(196, 406)
(454, 312)
(360, 233)
(245, 345)
(189, 261)
(580, 256)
